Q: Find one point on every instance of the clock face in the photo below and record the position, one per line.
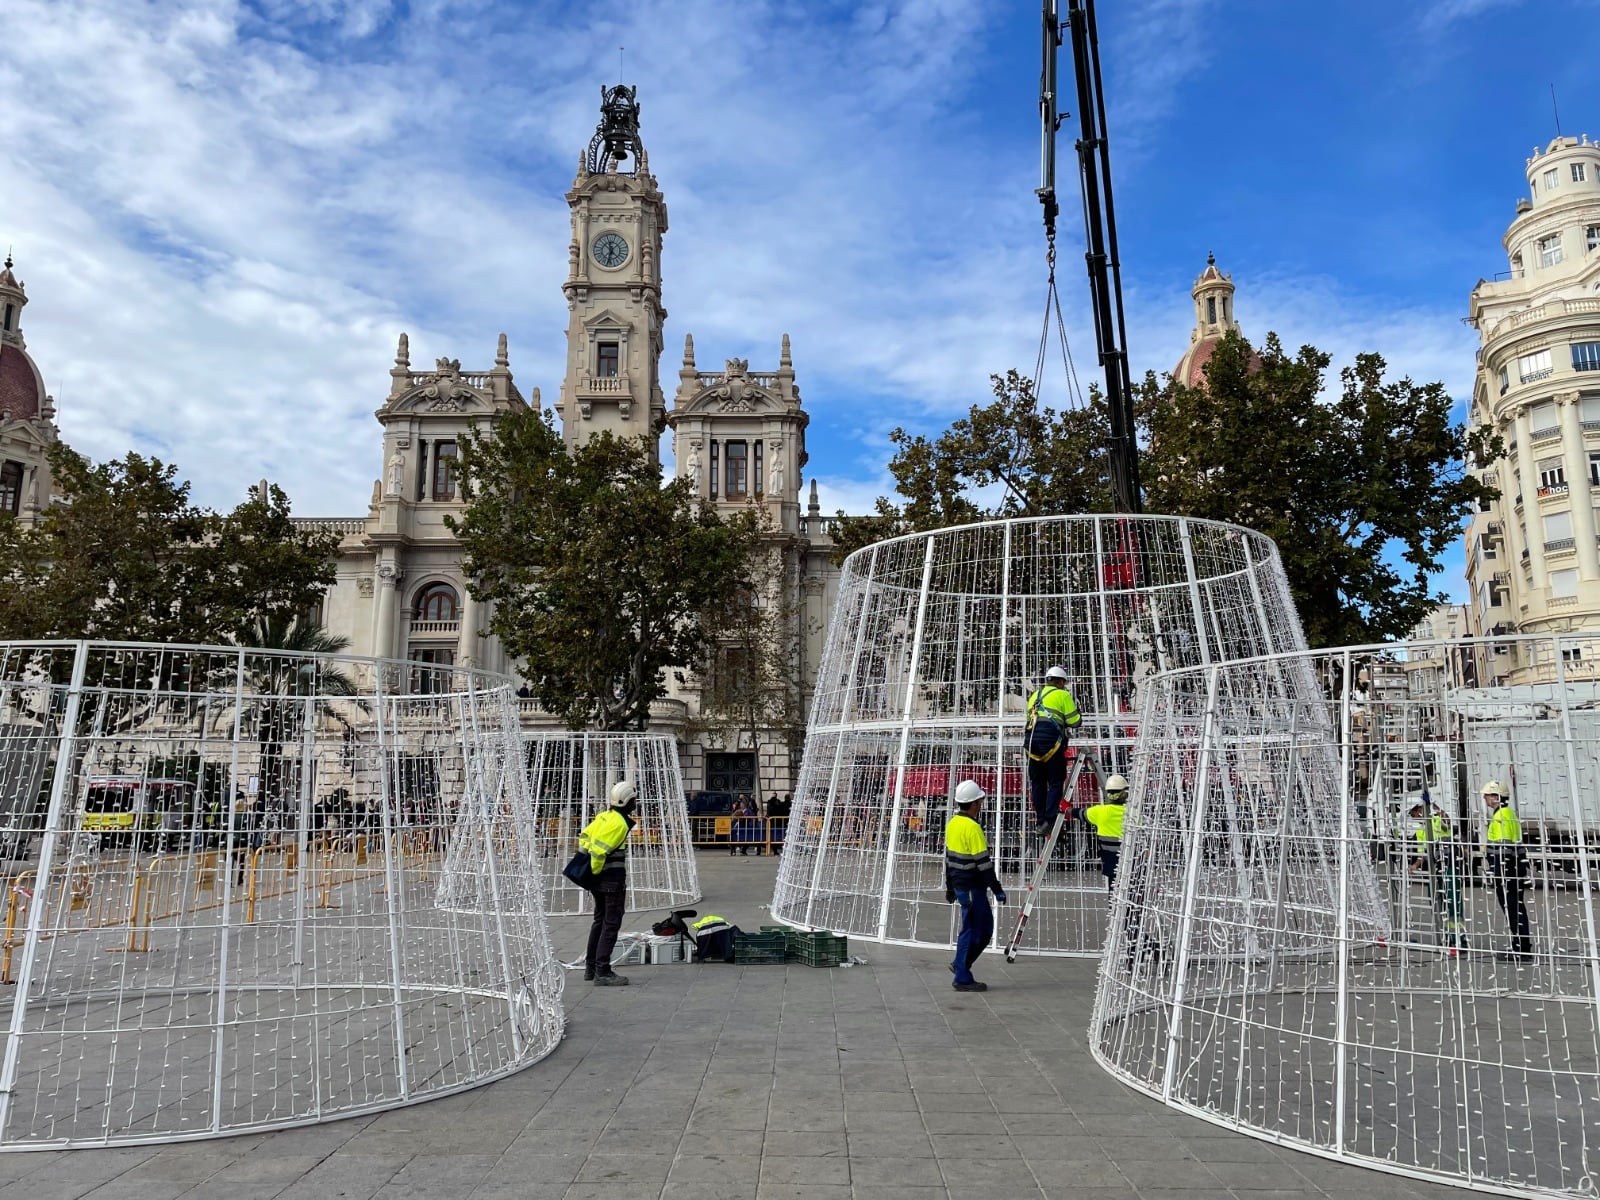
(610, 250)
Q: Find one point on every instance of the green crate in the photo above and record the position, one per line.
(818, 949)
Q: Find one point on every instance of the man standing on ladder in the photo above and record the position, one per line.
(968, 879)
(1052, 714)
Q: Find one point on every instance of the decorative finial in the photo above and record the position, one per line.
(9, 263)
(536, 402)
(815, 506)
(1211, 258)
(502, 356)
(402, 354)
(783, 359)
(688, 350)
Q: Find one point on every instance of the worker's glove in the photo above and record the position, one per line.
(999, 896)
(949, 894)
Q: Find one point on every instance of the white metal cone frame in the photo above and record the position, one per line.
(248, 890)
(934, 646)
(571, 775)
(1287, 958)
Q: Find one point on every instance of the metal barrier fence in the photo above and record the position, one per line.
(739, 834)
(250, 890)
(934, 647)
(1316, 940)
(571, 774)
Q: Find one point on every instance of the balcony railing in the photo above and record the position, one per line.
(603, 385)
(1547, 433)
(1560, 546)
(435, 628)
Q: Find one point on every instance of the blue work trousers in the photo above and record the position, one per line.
(977, 929)
(1046, 781)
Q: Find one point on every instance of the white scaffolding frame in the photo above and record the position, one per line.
(249, 890)
(1289, 958)
(934, 645)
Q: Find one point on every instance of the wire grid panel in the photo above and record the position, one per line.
(571, 775)
(251, 890)
(1289, 958)
(934, 646)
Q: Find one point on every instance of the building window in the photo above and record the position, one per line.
(11, 315)
(1226, 315)
(606, 365)
(760, 475)
(427, 678)
(444, 471)
(422, 469)
(715, 474)
(1552, 474)
(437, 602)
(738, 477)
(1552, 178)
(1516, 266)
(1550, 250)
(1534, 366)
(11, 487)
(1564, 583)
(1211, 310)
(1594, 471)
(1486, 545)
(1591, 237)
(1572, 654)
(1557, 527)
(1578, 173)
(1586, 356)
(1497, 595)
(1505, 379)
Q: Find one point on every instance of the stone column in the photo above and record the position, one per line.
(388, 585)
(1575, 458)
(1532, 518)
(467, 647)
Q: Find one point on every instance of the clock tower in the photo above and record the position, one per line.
(613, 285)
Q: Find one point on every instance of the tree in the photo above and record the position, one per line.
(130, 557)
(600, 578)
(1013, 457)
(751, 684)
(1362, 490)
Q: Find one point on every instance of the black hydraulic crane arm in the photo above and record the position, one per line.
(1099, 226)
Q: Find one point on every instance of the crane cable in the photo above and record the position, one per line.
(1052, 309)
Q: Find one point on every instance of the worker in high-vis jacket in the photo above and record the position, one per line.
(968, 879)
(1106, 817)
(1052, 715)
(1438, 855)
(605, 840)
(1508, 864)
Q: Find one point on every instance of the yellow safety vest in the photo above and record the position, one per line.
(1107, 822)
(1504, 826)
(606, 840)
(967, 863)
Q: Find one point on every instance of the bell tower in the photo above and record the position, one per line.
(613, 286)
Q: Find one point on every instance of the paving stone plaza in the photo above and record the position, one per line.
(871, 1082)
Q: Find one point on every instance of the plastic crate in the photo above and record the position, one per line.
(767, 948)
(818, 949)
(632, 950)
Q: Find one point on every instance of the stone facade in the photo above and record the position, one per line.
(27, 412)
(401, 591)
(1533, 560)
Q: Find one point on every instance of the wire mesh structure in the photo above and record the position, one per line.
(1314, 941)
(934, 646)
(570, 777)
(251, 889)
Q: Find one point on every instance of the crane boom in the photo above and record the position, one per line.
(1099, 226)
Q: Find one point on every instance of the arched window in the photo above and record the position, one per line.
(437, 602)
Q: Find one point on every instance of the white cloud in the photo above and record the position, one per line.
(1447, 12)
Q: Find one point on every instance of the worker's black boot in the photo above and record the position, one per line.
(588, 974)
(610, 979)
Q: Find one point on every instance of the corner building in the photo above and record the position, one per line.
(401, 591)
(1533, 558)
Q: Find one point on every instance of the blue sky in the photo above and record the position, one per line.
(227, 211)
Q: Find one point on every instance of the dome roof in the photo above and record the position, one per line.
(21, 386)
(1191, 368)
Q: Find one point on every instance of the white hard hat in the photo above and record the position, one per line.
(622, 794)
(1056, 673)
(1495, 788)
(967, 793)
(1116, 784)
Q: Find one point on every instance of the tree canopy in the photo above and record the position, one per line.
(129, 556)
(1362, 487)
(602, 579)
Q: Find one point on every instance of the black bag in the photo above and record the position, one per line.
(580, 872)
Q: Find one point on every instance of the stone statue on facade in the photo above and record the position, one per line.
(777, 467)
(693, 470)
(397, 472)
